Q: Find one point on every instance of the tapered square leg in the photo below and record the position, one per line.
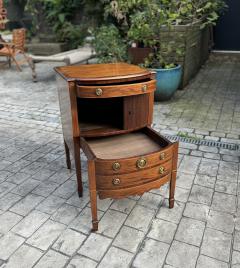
(93, 194)
(77, 159)
(68, 160)
(172, 189)
(174, 176)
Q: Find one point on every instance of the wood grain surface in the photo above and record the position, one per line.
(116, 90)
(134, 178)
(103, 73)
(107, 110)
(136, 190)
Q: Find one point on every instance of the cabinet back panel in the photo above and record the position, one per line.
(101, 111)
(136, 111)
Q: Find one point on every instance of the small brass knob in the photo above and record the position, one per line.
(144, 88)
(141, 163)
(99, 92)
(116, 181)
(116, 166)
(162, 156)
(161, 170)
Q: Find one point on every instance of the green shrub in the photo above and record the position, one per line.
(59, 14)
(142, 21)
(74, 35)
(109, 45)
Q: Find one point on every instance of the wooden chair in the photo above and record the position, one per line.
(17, 46)
(3, 21)
(3, 16)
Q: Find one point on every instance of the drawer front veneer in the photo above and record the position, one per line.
(133, 179)
(121, 166)
(139, 189)
(116, 90)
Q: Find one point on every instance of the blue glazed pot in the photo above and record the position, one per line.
(168, 81)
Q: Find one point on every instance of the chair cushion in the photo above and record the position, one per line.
(9, 51)
(6, 50)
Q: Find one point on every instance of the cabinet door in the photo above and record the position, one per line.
(138, 111)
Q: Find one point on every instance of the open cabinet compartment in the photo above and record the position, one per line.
(100, 114)
(107, 116)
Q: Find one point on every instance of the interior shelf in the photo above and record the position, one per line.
(100, 116)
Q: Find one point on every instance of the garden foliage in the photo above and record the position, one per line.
(141, 21)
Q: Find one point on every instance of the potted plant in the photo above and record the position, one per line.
(168, 74)
(173, 30)
(169, 35)
(146, 26)
(138, 53)
(119, 13)
(188, 25)
(192, 30)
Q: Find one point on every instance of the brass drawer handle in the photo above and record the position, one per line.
(141, 163)
(144, 88)
(116, 181)
(99, 92)
(161, 170)
(116, 166)
(162, 156)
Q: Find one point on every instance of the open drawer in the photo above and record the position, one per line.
(131, 159)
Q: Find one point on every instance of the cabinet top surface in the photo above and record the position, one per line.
(118, 72)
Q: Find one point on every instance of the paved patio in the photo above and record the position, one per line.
(44, 224)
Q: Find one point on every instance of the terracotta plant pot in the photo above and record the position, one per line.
(137, 55)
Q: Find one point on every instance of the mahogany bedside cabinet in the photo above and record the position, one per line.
(107, 110)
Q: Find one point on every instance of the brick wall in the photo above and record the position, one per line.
(194, 43)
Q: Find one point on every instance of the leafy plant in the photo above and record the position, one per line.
(60, 11)
(121, 10)
(144, 20)
(59, 14)
(146, 27)
(109, 45)
(74, 35)
(179, 12)
(186, 135)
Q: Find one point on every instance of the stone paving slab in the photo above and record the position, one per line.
(44, 224)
